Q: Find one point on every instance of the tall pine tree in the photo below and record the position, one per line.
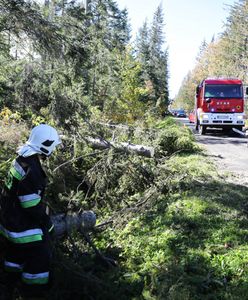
(153, 56)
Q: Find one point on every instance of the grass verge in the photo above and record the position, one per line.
(190, 243)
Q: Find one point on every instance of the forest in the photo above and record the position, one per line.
(224, 56)
(159, 233)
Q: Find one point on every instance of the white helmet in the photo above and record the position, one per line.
(43, 139)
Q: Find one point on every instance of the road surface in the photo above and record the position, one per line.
(229, 152)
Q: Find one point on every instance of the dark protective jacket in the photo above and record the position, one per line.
(23, 217)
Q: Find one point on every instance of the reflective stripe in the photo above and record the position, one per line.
(40, 278)
(51, 228)
(19, 168)
(27, 236)
(29, 200)
(12, 267)
(17, 171)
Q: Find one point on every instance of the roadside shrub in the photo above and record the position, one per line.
(12, 134)
(174, 138)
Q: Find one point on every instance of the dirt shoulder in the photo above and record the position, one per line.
(230, 155)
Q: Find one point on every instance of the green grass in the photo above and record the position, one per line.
(192, 243)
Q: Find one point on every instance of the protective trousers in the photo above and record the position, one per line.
(32, 263)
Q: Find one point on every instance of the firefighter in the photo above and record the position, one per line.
(24, 223)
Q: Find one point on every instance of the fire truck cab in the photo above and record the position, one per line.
(219, 103)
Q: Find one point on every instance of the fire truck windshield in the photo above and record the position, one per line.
(223, 91)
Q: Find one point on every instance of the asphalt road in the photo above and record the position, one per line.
(230, 152)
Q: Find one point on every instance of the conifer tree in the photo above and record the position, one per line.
(143, 48)
(158, 68)
(235, 35)
(108, 33)
(154, 59)
(203, 47)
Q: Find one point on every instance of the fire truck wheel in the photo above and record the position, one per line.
(202, 129)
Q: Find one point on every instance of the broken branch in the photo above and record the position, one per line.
(142, 150)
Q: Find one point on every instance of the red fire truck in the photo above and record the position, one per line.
(219, 103)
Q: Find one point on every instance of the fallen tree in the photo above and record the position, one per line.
(83, 222)
(97, 143)
(64, 224)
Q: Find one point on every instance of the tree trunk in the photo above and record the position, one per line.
(131, 148)
(66, 223)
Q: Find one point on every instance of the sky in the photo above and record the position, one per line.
(187, 24)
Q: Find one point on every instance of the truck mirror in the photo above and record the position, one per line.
(197, 90)
(246, 90)
(208, 100)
